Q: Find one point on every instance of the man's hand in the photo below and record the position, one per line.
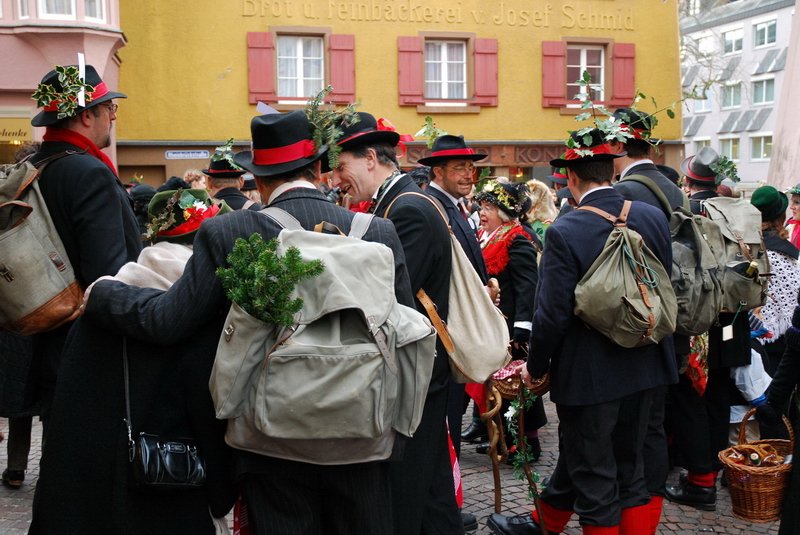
(522, 370)
(493, 287)
(89, 290)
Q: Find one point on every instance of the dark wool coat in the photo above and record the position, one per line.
(236, 199)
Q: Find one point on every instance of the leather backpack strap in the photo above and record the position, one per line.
(436, 320)
(618, 221)
(428, 198)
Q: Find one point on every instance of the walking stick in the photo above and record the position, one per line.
(526, 467)
(494, 432)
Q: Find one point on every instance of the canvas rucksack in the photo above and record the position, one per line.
(747, 270)
(38, 290)
(476, 335)
(696, 269)
(624, 295)
(353, 369)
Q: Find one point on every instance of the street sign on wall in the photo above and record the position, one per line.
(186, 155)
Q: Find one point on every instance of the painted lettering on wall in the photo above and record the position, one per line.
(501, 13)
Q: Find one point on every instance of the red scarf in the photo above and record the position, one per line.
(82, 142)
(495, 253)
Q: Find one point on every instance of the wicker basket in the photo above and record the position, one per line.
(508, 384)
(757, 491)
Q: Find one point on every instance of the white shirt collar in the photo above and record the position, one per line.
(627, 170)
(438, 187)
(286, 186)
(592, 191)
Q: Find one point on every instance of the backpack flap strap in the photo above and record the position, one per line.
(382, 342)
(360, 224)
(617, 221)
(282, 218)
(436, 320)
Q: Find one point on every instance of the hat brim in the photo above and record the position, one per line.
(557, 180)
(244, 159)
(563, 193)
(560, 162)
(687, 172)
(432, 161)
(46, 118)
(369, 138)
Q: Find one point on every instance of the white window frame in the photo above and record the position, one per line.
(733, 140)
(738, 30)
(762, 136)
(23, 9)
(43, 14)
(102, 5)
(700, 142)
(765, 24)
(708, 104)
(444, 82)
(723, 101)
(299, 58)
(599, 88)
(758, 80)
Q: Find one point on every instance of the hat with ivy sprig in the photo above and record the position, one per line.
(282, 143)
(707, 167)
(639, 124)
(329, 124)
(507, 196)
(222, 164)
(175, 215)
(587, 144)
(58, 93)
(367, 130)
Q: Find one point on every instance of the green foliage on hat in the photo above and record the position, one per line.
(430, 131)
(261, 282)
(67, 98)
(225, 152)
(724, 167)
(329, 123)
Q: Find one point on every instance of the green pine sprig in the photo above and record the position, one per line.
(71, 84)
(261, 282)
(523, 454)
(430, 131)
(225, 152)
(329, 122)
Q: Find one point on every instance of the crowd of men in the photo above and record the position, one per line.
(611, 401)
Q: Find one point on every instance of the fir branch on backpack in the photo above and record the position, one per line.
(261, 282)
(67, 99)
(225, 152)
(328, 123)
(430, 131)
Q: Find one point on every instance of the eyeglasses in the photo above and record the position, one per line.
(112, 108)
(463, 169)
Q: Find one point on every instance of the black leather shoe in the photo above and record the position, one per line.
(482, 448)
(469, 520)
(685, 493)
(476, 432)
(512, 525)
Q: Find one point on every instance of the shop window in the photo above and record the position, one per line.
(612, 66)
(760, 148)
(765, 33)
(449, 72)
(764, 91)
(288, 68)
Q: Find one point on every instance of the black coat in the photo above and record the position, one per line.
(636, 191)
(586, 368)
(236, 199)
(518, 282)
(83, 479)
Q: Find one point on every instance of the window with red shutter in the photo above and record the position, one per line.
(451, 72)
(342, 67)
(261, 67)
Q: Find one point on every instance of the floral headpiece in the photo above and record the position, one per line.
(508, 197)
(176, 215)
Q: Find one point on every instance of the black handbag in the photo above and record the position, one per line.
(160, 464)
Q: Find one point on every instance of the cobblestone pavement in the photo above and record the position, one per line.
(15, 505)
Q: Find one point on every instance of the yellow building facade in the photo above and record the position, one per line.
(501, 73)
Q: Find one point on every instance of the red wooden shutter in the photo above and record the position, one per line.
(409, 70)
(342, 68)
(623, 82)
(261, 67)
(485, 58)
(554, 74)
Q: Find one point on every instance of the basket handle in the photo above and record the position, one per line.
(751, 412)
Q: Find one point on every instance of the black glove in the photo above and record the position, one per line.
(521, 336)
(768, 414)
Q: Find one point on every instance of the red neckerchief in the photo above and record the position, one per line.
(495, 253)
(82, 142)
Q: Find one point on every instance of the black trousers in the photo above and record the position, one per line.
(600, 467)
(291, 498)
(700, 423)
(656, 451)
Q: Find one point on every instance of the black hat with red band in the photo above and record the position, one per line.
(223, 169)
(597, 150)
(282, 142)
(100, 94)
(449, 147)
(639, 124)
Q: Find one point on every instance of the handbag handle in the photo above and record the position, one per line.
(127, 419)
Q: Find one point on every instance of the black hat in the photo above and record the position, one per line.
(142, 193)
(282, 142)
(173, 183)
(639, 123)
(449, 147)
(367, 131)
(596, 150)
(697, 168)
(249, 182)
(559, 176)
(669, 172)
(49, 114)
(222, 168)
(507, 196)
